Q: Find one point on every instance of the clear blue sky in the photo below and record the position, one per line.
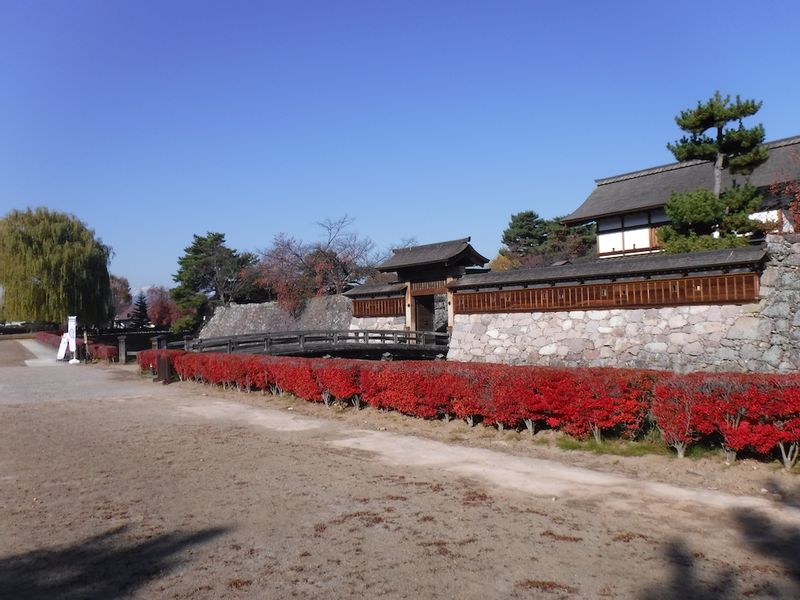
(155, 120)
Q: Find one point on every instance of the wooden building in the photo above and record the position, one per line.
(442, 270)
(423, 274)
(629, 208)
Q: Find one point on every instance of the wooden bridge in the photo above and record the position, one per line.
(357, 343)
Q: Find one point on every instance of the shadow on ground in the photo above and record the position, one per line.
(104, 566)
(764, 537)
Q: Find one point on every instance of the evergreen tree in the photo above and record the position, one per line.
(525, 231)
(532, 241)
(139, 317)
(738, 150)
(704, 219)
(52, 266)
(209, 274)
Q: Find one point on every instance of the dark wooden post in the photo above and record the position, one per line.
(122, 347)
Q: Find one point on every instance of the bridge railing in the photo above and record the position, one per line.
(286, 342)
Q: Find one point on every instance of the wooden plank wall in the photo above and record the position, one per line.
(379, 307)
(714, 289)
(427, 288)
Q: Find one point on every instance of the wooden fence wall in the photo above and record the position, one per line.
(714, 289)
(379, 307)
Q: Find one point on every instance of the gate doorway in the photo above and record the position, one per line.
(423, 313)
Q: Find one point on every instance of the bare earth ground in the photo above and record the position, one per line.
(113, 486)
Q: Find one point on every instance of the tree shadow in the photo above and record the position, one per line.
(102, 566)
(774, 539)
(764, 536)
(685, 584)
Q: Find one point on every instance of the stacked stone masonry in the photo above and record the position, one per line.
(758, 337)
(381, 323)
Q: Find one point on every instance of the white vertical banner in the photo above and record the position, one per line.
(72, 326)
(62, 347)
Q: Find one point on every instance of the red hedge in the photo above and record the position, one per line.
(97, 351)
(755, 412)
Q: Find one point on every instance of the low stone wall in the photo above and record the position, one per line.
(763, 337)
(381, 323)
(322, 313)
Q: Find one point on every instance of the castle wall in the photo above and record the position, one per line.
(761, 337)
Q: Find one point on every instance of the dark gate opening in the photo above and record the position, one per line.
(424, 313)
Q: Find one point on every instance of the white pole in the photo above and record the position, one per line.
(72, 326)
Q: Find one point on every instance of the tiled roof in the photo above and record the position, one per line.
(441, 253)
(377, 289)
(611, 268)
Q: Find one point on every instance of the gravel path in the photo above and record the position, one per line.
(113, 486)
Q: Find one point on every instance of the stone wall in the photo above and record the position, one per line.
(381, 323)
(763, 336)
(323, 313)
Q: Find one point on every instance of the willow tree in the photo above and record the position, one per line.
(51, 266)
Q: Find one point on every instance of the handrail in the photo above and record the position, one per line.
(271, 342)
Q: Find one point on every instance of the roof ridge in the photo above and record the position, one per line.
(651, 171)
(779, 143)
(465, 240)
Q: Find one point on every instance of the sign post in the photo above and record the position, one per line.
(72, 325)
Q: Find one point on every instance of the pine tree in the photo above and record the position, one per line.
(740, 150)
(209, 274)
(532, 241)
(525, 231)
(704, 219)
(139, 318)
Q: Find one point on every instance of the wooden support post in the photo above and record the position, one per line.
(409, 302)
(187, 343)
(123, 349)
(451, 314)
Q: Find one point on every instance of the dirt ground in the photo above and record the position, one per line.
(113, 486)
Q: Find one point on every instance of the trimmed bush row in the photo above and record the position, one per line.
(758, 413)
(96, 351)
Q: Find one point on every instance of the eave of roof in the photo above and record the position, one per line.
(651, 188)
(440, 253)
(377, 289)
(610, 268)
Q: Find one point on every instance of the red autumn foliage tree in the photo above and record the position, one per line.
(298, 270)
(674, 410)
(161, 308)
(790, 189)
(602, 399)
